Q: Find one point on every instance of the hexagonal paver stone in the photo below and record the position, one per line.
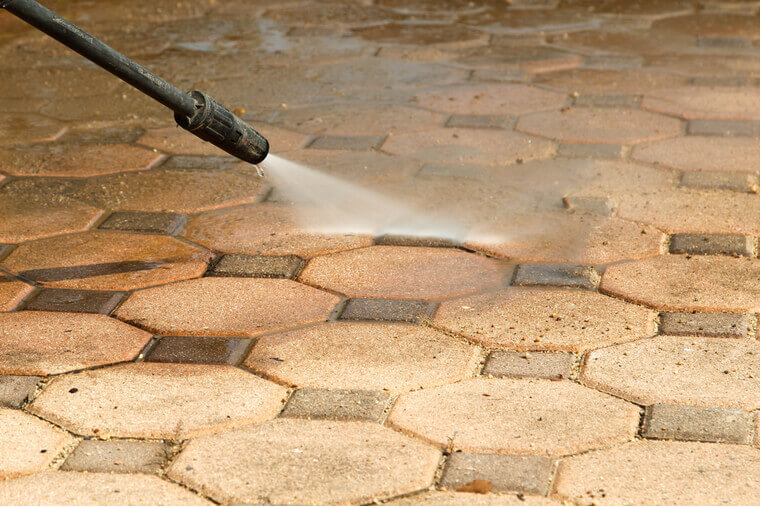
(296, 461)
(234, 307)
(266, 229)
(605, 125)
(12, 292)
(628, 81)
(651, 472)
(403, 272)
(28, 444)
(358, 119)
(454, 498)
(720, 103)
(25, 128)
(393, 357)
(178, 142)
(76, 160)
(154, 400)
(22, 219)
(702, 153)
(693, 210)
(515, 416)
(682, 282)
(469, 146)
(523, 318)
(100, 260)
(44, 343)
(556, 237)
(173, 190)
(708, 372)
(491, 99)
(84, 488)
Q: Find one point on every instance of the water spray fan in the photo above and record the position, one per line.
(195, 112)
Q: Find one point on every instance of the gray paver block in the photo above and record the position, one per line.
(728, 325)
(594, 204)
(583, 150)
(352, 143)
(712, 244)
(722, 128)
(547, 365)
(720, 180)
(724, 42)
(16, 389)
(117, 456)
(713, 81)
(480, 121)
(338, 404)
(398, 310)
(607, 100)
(452, 170)
(199, 162)
(401, 240)
(612, 62)
(557, 275)
(505, 472)
(257, 266)
(705, 424)
(198, 350)
(143, 221)
(72, 300)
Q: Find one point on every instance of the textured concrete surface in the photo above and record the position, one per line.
(590, 289)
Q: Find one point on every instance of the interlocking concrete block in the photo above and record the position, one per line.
(399, 310)
(505, 472)
(75, 301)
(740, 182)
(143, 221)
(257, 266)
(337, 404)
(547, 365)
(15, 390)
(353, 143)
(727, 325)
(117, 456)
(722, 128)
(712, 244)
(704, 424)
(587, 150)
(491, 99)
(701, 153)
(12, 292)
(607, 100)
(429, 241)
(198, 350)
(456, 498)
(706, 102)
(480, 121)
(557, 275)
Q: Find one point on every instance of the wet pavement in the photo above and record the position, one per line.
(171, 332)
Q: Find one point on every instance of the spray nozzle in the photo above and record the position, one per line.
(216, 124)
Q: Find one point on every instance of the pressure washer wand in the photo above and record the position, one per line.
(196, 112)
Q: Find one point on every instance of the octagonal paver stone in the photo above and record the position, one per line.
(682, 282)
(25, 128)
(606, 125)
(701, 153)
(297, 461)
(708, 372)
(85, 488)
(22, 219)
(44, 343)
(237, 307)
(523, 318)
(516, 417)
(177, 141)
(651, 472)
(403, 272)
(99, 260)
(76, 160)
(719, 103)
(617, 81)
(454, 498)
(170, 190)
(692, 210)
(561, 237)
(469, 146)
(390, 357)
(158, 400)
(491, 99)
(711, 24)
(28, 444)
(266, 229)
(12, 292)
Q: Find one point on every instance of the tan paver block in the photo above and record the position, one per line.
(681, 282)
(154, 400)
(100, 260)
(604, 125)
(629, 81)
(391, 357)
(177, 141)
(306, 462)
(705, 372)
(469, 146)
(230, 307)
(22, 219)
(266, 229)
(172, 190)
(17, 128)
(491, 99)
(453, 498)
(719, 103)
(560, 237)
(404, 272)
(516, 416)
(83, 488)
(359, 119)
(711, 24)
(522, 318)
(76, 160)
(44, 343)
(693, 210)
(12, 292)
(702, 153)
(663, 473)
(28, 444)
